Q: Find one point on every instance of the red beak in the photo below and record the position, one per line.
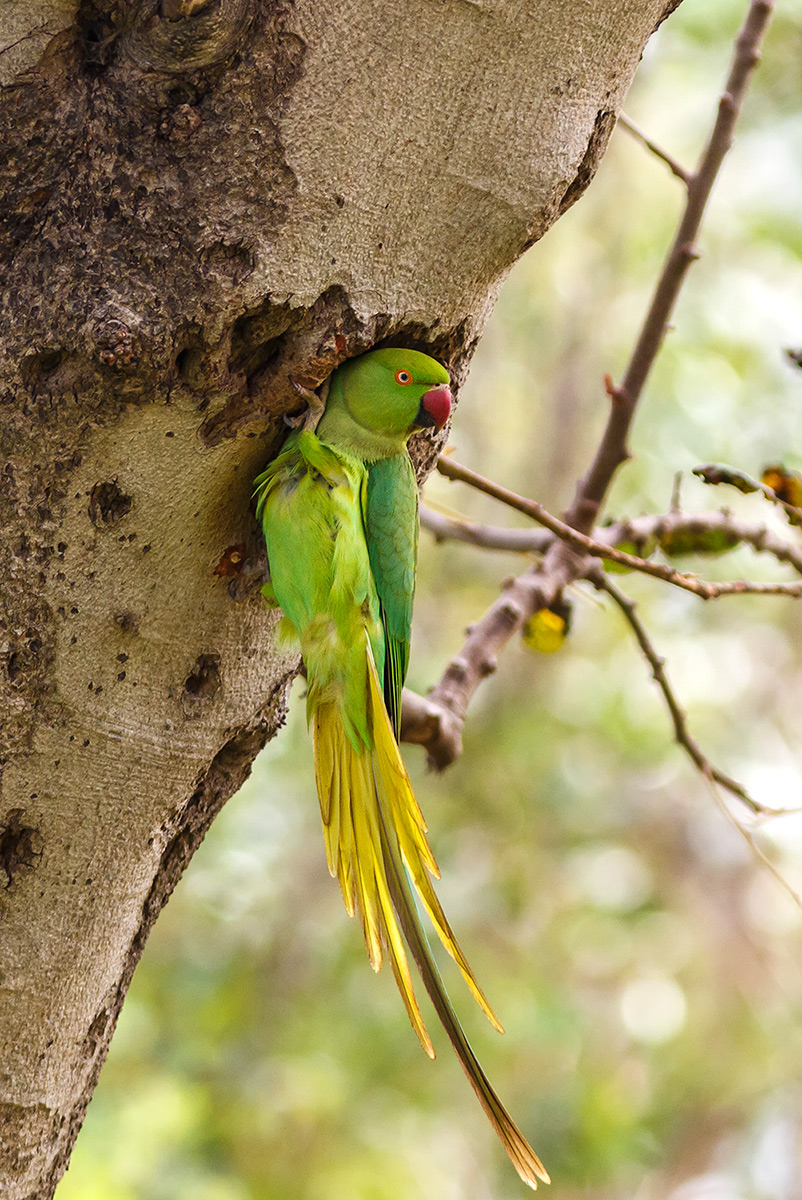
(436, 405)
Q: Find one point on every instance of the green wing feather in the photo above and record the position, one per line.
(391, 532)
(309, 504)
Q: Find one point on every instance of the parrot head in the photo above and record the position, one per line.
(396, 391)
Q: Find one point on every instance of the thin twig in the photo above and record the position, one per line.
(677, 714)
(693, 529)
(715, 473)
(672, 164)
(759, 854)
(490, 537)
(594, 549)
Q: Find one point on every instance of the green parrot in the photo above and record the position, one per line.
(339, 510)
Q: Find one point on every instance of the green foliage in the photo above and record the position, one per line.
(645, 967)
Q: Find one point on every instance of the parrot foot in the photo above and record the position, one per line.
(315, 405)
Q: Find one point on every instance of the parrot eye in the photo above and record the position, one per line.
(403, 377)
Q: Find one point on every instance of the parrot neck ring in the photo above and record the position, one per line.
(435, 408)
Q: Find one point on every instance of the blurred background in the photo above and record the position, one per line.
(646, 967)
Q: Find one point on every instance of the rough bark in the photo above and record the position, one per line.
(203, 199)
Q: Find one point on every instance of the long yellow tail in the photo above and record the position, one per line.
(375, 833)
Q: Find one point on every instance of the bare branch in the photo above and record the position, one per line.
(426, 723)
(690, 531)
(612, 451)
(760, 856)
(437, 721)
(735, 587)
(459, 529)
(590, 547)
(678, 717)
(672, 164)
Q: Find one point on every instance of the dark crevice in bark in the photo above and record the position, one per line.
(108, 504)
(273, 348)
(597, 144)
(21, 845)
(98, 26)
(453, 346)
(256, 336)
(203, 681)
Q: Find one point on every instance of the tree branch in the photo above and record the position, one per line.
(759, 854)
(639, 136)
(566, 560)
(612, 451)
(678, 716)
(490, 537)
(436, 722)
(675, 532)
(591, 548)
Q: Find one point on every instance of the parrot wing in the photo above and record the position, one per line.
(390, 513)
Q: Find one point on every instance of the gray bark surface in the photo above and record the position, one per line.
(202, 199)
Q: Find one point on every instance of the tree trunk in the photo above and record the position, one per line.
(202, 201)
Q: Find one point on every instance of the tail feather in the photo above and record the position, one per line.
(375, 833)
(353, 850)
(523, 1157)
(332, 792)
(399, 800)
(398, 957)
(368, 878)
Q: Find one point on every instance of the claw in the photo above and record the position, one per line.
(297, 421)
(315, 404)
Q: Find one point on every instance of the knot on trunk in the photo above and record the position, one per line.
(187, 35)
